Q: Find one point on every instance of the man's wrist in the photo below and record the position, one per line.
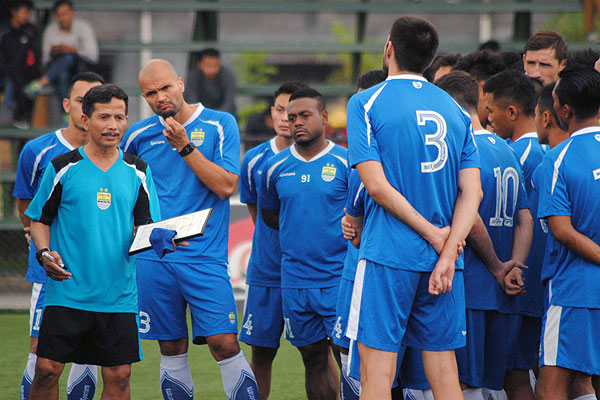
(38, 255)
(187, 149)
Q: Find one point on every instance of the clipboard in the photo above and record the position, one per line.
(187, 226)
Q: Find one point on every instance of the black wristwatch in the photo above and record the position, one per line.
(187, 149)
(38, 255)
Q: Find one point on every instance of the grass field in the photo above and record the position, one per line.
(288, 372)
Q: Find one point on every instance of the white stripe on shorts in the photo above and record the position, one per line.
(35, 295)
(354, 315)
(551, 332)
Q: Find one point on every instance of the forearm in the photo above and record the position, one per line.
(252, 209)
(565, 234)
(216, 178)
(22, 205)
(40, 234)
(522, 237)
(480, 242)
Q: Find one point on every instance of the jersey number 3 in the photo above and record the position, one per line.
(435, 139)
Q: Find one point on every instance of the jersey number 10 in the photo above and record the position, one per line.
(502, 215)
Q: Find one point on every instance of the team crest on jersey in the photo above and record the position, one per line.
(328, 172)
(198, 137)
(103, 199)
(232, 318)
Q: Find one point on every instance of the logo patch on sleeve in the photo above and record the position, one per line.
(103, 199)
(328, 172)
(597, 174)
(197, 137)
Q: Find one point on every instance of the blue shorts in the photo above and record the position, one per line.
(412, 374)
(36, 309)
(491, 336)
(527, 347)
(263, 317)
(309, 314)
(166, 289)
(570, 339)
(392, 307)
(342, 310)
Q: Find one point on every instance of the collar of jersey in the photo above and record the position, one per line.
(482, 132)
(411, 77)
(528, 135)
(62, 139)
(589, 129)
(195, 115)
(274, 148)
(321, 154)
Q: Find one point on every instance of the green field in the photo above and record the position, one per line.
(288, 372)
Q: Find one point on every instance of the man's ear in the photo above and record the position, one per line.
(324, 117)
(67, 106)
(513, 112)
(547, 119)
(85, 122)
(181, 84)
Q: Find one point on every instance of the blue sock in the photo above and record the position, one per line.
(28, 375)
(176, 378)
(82, 381)
(239, 382)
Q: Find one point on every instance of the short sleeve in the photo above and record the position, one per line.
(554, 198)
(355, 199)
(45, 203)
(228, 146)
(146, 209)
(268, 197)
(247, 183)
(522, 199)
(469, 156)
(24, 188)
(362, 144)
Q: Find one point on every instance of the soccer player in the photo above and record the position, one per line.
(34, 158)
(547, 125)
(568, 199)
(502, 232)
(545, 56)
(423, 149)
(303, 196)
(481, 65)
(263, 318)
(511, 100)
(85, 209)
(194, 152)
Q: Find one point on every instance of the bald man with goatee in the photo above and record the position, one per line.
(195, 152)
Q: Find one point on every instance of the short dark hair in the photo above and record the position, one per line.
(59, 3)
(444, 60)
(208, 52)
(490, 45)
(579, 87)
(514, 86)
(288, 88)
(538, 84)
(88, 76)
(310, 93)
(371, 78)
(415, 41)
(512, 60)
(16, 4)
(480, 64)
(462, 87)
(586, 57)
(545, 102)
(103, 94)
(548, 40)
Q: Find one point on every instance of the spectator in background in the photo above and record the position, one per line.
(545, 56)
(591, 10)
(211, 84)
(69, 46)
(19, 60)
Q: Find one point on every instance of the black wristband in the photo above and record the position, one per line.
(187, 149)
(38, 255)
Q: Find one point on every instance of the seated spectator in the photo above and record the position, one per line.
(211, 84)
(19, 61)
(591, 11)
(69, 46)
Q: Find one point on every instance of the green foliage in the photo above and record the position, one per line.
(570, 25)
(252, 68)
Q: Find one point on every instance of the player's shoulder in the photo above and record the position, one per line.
(340, 153)
(145, 126)
(258, 151)
(41, 142)
(135, 161)
(211, 116)
(277, 159)
(64, 160)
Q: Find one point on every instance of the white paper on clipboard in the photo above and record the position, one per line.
(187, 226)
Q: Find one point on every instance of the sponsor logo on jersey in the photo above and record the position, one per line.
(232, 318)
(417, 84)
(154, 143)
(197, 137)
(287, 174)
(597, 174)
(328, 172)
(491, 139)
(103, 199)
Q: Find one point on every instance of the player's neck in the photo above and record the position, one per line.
(527, 126)
(309, 150)
(185, 113)
(394, 70)
(283, 142)
(556, 137)
(75, 136)
(102, 157)
(475, 122)
(575, 125)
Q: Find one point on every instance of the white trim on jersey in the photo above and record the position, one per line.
(525, 154)
(342, 159)
(199, 109)
(583, 131)
(482, 132)
(557, 163)
(321, 154)
(360, 188)
(411, 77)
(528, 135)
(273, 144)
(367, 108)
(136, 134)
(251, 165)
(142, 176)
(551, 333)
(37, 162)
(36, 288)
(220, 131)
(355, 302)
(60, 175)
(62, 139)
(270, 171)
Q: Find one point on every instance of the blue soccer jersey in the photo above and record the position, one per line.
(264, 266)
(503, 196)
(310, 196)
(215, 134)
(571, 187)
(422, 138)
(551, 247)
(91, 214)
(34, 158)
(530, 153)
(354, 207)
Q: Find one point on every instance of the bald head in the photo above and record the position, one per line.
(162, 87)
